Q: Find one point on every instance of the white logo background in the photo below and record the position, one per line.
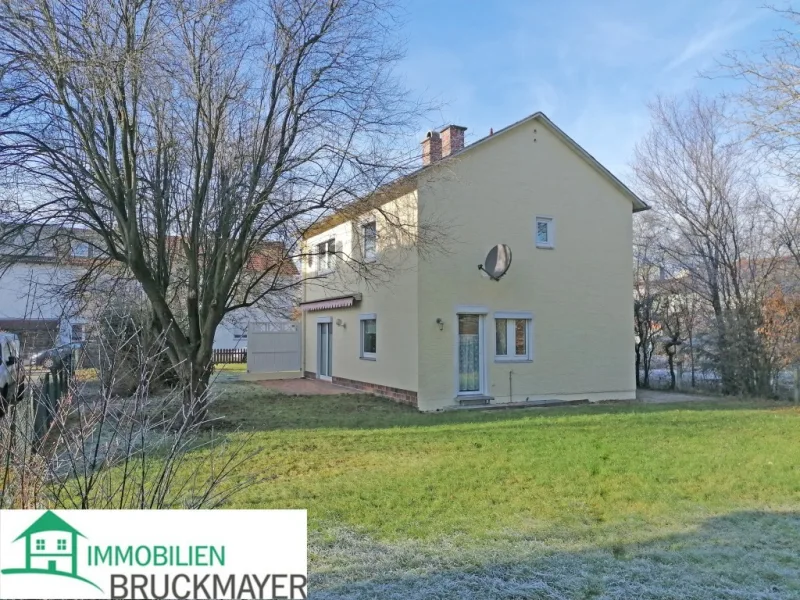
(257, 542)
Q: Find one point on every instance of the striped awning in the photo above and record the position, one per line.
(328, 303)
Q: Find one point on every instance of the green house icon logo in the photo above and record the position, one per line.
(51, 548)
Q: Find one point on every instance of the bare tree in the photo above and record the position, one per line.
(95, 448)
(648, 267)
(186, 137)
(699, 176)
(770, 99)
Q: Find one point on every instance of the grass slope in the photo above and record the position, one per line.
(595, 501)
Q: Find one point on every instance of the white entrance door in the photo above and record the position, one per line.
(324, 350)
(470, 355)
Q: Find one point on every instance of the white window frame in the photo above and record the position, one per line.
(362, 226)
(512, 317)
(482, 313)
(551, 231)
(361, 353)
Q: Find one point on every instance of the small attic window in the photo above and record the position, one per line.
(545, 232)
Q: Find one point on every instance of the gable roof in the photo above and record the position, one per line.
(49, 521)
(638, 204)
(408, 182)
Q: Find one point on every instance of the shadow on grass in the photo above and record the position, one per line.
(746, 555)
(251, 407)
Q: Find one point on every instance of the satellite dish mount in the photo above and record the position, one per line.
(497, 262)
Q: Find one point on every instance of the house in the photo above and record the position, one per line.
(34, 305)
(32, 302)
(438, 332)
(51, 545)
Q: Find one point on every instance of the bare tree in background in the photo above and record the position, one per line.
(770, 102)
(648, 263)
(185, 136)
(771, 114)
(699, 177)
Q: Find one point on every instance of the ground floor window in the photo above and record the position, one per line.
(369, 336)
(513, 336)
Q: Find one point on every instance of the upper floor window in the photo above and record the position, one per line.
(326, 253)
(545, 232)
(370, 237)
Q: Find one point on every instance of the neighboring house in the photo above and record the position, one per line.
(31, 301)
(438, 333)
(33, 305)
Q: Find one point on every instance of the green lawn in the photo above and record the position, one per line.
(678, 499)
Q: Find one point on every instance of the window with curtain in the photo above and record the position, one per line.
(469, 348)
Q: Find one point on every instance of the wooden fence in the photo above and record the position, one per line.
(230, 355)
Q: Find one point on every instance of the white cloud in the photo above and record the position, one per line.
(708, 42)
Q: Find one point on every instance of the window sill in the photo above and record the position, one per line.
(473, 399)
(372, 358)
(512, 359)
(545, 246)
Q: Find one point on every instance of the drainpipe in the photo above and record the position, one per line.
(303, 324)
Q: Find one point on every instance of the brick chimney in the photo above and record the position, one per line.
(431, 148)
(452, 139)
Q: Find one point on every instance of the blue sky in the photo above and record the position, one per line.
(591, 66)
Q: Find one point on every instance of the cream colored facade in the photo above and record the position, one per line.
(577, 293)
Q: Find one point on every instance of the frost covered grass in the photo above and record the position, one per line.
(695, 500)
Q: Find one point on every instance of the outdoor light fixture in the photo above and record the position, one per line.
(440, 323)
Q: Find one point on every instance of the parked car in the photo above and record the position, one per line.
(12, 377)
(50, 357)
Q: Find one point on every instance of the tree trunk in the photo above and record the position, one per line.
(638, 360)
(671, 359)
(195, 392)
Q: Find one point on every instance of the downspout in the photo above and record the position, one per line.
(303, 332)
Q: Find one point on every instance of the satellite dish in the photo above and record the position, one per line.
(497, 262)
